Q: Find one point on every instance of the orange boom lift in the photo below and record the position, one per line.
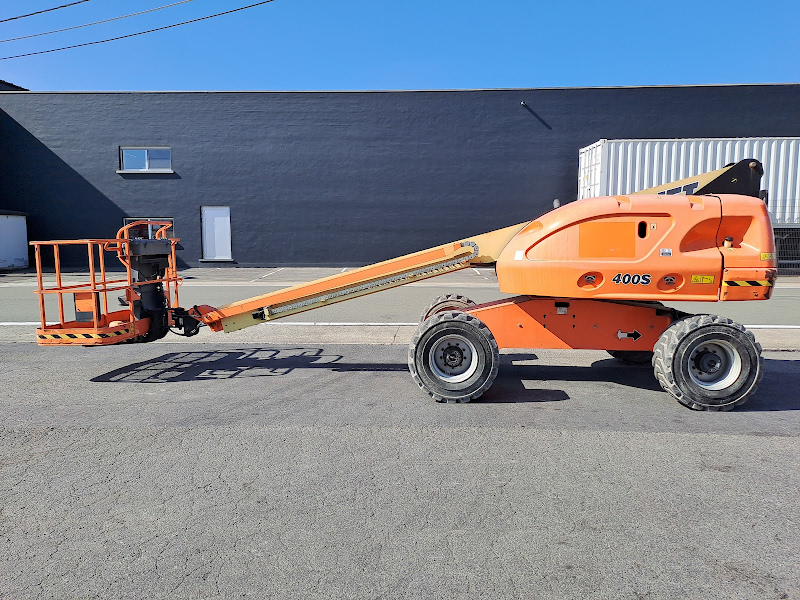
(589, 275)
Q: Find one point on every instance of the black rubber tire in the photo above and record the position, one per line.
(436, 330)
(158, 327)
(445, 303)
(633, 357)
(674, 349)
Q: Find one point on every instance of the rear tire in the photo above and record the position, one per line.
(708, 362)
(453, 357)
(445, 303)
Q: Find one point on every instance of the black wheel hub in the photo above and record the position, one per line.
(707, 362)
(453, 356)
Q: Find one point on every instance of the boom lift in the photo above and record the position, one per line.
(589, 275)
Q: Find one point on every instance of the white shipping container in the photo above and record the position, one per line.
(13, 241)
(611, 167)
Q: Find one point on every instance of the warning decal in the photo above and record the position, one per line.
(702, 279)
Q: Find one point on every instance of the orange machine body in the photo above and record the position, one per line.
(589, 274)
(567, 323)
(649, 247)
(593, 274)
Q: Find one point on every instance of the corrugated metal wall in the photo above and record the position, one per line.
(590, 167)
(610, 167)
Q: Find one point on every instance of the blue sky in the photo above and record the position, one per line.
(414, 44)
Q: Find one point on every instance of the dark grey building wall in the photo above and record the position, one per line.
(340, 178)
(6, 86)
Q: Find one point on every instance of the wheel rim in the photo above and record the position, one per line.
(453, 359)
(714, 365)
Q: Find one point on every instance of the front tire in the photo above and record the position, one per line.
(453, 357)
(708, 362)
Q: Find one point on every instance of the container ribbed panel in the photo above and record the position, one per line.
(610, 167)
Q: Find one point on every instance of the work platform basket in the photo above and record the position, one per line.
(94, 324)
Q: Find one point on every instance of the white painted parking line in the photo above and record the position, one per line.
(258, 283)
(341, 324)
(303, 323)
(268, 274)
(355, 324)
(772, 326)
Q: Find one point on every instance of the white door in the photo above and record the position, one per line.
(216, 232)
(13, 242)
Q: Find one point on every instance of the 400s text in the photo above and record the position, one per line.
(631, 279)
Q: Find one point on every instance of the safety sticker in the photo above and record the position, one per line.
(666, 252)
(519, 254)
(702, 279)
(767, 256)
(748, 283)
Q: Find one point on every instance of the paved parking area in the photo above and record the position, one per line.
(220, 471)
(243, 465)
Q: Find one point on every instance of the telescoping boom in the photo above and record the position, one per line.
(591, 274)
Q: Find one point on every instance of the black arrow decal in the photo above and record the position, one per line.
(634, 335)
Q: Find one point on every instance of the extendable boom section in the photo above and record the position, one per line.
(479, 250)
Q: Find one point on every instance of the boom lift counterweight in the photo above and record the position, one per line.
(590, 274)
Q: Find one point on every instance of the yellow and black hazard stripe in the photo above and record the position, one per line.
(748, 283)
(81, 336)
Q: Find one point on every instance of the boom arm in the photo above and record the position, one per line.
(479, 250)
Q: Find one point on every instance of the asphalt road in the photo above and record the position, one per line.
(278, 463)
(219, 471)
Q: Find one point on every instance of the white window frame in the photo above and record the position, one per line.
(147, 168)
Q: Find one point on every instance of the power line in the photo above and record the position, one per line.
(122, 37)
(38, 12)
(25, 37)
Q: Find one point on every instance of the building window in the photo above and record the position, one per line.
(147, 231)
(145, 160)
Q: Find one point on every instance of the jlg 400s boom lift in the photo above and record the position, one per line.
(591, 275)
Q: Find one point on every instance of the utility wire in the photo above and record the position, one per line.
(122, 37)
(25, 37)
(38, 12)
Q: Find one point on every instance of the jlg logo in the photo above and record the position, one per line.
(687, 190)
(635, 279)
